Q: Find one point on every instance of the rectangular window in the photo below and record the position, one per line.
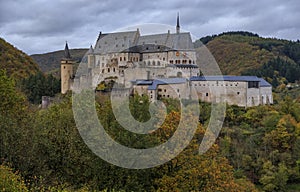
(253, 84)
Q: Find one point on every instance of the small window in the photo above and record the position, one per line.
(206, 94)
(238, 93)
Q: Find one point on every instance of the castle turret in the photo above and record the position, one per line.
(66, 70)
(177, 26)
(91, 58)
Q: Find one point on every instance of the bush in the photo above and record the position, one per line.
(10, 181)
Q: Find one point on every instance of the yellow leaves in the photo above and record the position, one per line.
(281, 137)
(10, 181)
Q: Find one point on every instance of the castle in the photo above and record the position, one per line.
(161, 66)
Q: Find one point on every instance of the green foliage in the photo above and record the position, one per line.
(10, 181)
(235, 54)
(51, 61)
(274, 179)
(248, 54)
(292, 50)
(209, 38)
(259, 145)
(277, 69)
(39, 85)
(16, 63)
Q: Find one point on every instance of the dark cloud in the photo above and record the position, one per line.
(37, 26)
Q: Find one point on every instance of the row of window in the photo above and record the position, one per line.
(108, 70)
(182, 61)
(231, 85)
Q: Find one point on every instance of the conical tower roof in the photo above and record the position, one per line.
(67, 52)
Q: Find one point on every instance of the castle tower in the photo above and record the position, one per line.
(66, 71)
(177, 26)
(91, 58)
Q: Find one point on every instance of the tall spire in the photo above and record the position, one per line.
(67, 52)
(178, 26)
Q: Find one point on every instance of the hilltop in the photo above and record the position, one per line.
(246, 53)
(16, 63)
(50, 62)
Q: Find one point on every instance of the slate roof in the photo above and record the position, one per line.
(67, 52)
(115, 42)
(262, 82)
(174, 41)
(152, 84)
(225, 78)
(134, 42)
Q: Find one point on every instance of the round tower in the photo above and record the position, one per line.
(66, 70)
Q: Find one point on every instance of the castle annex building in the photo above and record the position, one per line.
(160, 65)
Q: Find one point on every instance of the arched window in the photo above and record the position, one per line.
(153, 62)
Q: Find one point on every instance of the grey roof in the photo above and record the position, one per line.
(225, 78)
(91, 50)
(133, 42)
(174, 41)
(115, 42)
(264, 83)
(67, 52)
(165, 81)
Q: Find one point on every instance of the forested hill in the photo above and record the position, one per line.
(245, 53)
(16, 63)
(51, 61)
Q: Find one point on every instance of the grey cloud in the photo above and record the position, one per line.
(39, 25)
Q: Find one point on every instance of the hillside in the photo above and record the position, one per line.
(50, 62)
(16, 63)
(238, 52)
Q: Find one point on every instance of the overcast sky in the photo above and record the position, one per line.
(38, 26)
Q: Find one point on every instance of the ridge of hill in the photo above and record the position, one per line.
(50, 62)
(15, 62)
